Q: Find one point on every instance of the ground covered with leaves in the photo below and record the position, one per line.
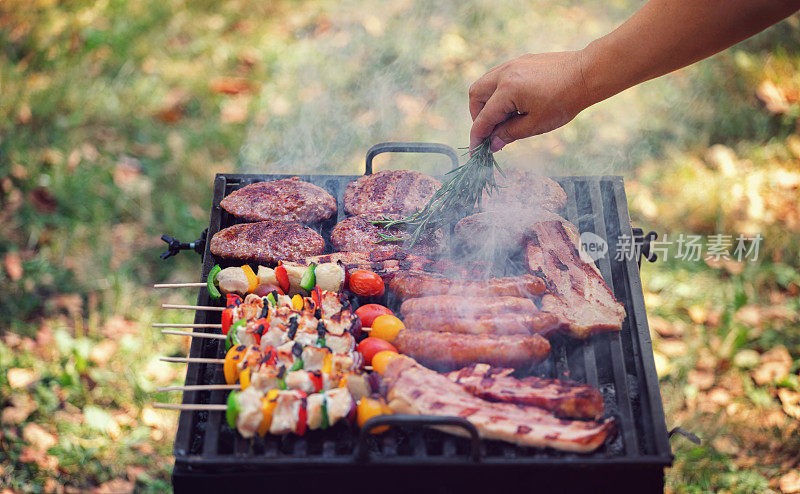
(115, 116)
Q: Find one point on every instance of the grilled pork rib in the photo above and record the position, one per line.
(576, 291)
(416, 390)
(564, 398)
(444, 350)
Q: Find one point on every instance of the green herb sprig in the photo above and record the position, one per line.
(460, 196)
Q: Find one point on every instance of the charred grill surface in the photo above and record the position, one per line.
(564, 398)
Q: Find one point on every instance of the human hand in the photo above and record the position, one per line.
(530, 95)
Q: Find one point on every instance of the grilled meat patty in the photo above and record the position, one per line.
(566, 399)
(443, 350)
(416, 390)
(390, 191)
(411, 284)
(524, 189)
(576, 292)
(357, 234)
(267, 242)
(499, 231)
(289, 199)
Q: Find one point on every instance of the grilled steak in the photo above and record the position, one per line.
(357, 234)
(385, 264)
(564, 398)
(499, 231)
(524, 189)
(413, 284)
(267, 242)
(390, 191)
(576, 291)
(454, 350)
(416, 390)
(290, 199)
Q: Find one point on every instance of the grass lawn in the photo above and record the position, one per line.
(115, 116)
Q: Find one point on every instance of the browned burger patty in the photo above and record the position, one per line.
(290, 199)
(412, 284)
(357, 234)
(267, 242)
(390, 191)
(524, 189)
(454, 350)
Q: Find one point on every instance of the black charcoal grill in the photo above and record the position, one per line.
(410, 456)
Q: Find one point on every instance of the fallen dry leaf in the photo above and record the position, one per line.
(38, 437)
(698, 314)
(719, 396)
(773, 97)
(102, 352)
(20, 378)
(790, 400)
(235, 110)
(70, 302)
(775, 365)
(664, 327)
(725, 444)
(13, 265)
(790, 483)
(43, 460)
(231, 85)
(672, 348)
(21, 406)
(116, 486)
(43, 200)
(700, 378)
(117, 327)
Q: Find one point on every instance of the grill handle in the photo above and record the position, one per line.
(410, 147)
(362, 450)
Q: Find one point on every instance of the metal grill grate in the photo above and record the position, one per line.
(620, 365)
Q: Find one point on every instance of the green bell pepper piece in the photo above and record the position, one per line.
(309, 278)
(232, 339)
(211, 282)
(233, 410)
(297, 365)
(324, 412)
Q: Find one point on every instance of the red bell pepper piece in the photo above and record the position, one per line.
(270, 356)
(258, 327)
(302, 416)
(316, 380)
(227, 320)
(233, 300)
(316, 296)
(283, 278)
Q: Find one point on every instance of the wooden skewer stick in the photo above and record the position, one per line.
(193, 360)
(195, 335)
(366, 330)
(192, 307)
(190, 406)
(185, 325)
(199, 387)
(179, 285)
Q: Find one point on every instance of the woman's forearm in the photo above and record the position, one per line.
(665, 35)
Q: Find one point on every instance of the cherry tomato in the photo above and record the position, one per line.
(386, 327)
(380, 362)
(370, 346)
(264, 290)
(372, 407)
(366, 283)
(367, 313)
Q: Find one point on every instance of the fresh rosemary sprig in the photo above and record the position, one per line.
(460, 196)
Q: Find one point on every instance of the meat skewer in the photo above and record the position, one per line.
(210, 308)
(182, 325)
(199, 387)
(179, 285)
(196, 407)
(195, 335)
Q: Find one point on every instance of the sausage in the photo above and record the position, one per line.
(412, 284)
(467, 306)
(500, 324)
(447, 351)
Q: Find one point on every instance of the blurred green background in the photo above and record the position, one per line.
(115, 116)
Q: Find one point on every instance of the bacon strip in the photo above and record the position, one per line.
(564, 398)
(576, 292)
(413, 389)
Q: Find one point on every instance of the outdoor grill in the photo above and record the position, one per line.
(208, 454)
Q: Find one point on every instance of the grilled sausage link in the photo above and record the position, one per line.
(452, 350)
(500, 324)
(412, 284)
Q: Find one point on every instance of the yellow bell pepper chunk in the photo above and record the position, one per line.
(244, 378)
(297, 302)
(268, 404)
(327, 364)
(230, 367)
(252, 279)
